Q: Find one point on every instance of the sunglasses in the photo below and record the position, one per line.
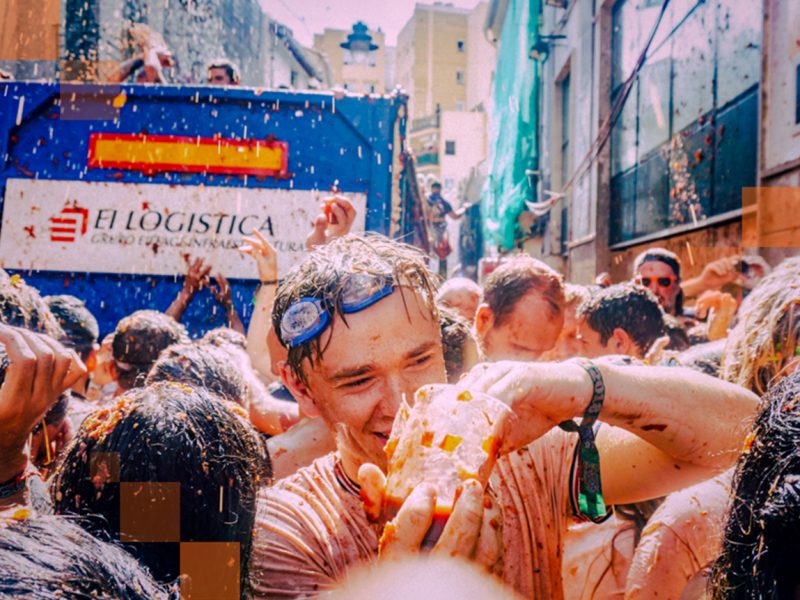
(661, 281)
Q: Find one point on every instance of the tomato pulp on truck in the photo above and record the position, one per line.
(106, 189)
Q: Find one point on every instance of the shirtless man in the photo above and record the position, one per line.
(358, 317)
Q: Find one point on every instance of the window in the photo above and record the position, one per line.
(797, 99)
(460, 77)
(450, 148)
(293, 79)
(565, 119)
(683, 145)
(459, 105)
(460, 45)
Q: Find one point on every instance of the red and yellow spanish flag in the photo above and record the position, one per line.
(152, 153)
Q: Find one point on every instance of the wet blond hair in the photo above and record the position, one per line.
(765, 337)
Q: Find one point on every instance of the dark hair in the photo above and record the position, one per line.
(762, 533)
(230, 68)
(138, 340)
(517, 276)
(52, 557)
(225, 335)
(207, 456)
(22, 306)
(203, 366)
(679, 340)
(705, 357)
(668, 258)
(456, 334)
(324, 271)
(625, 306)
(79, 325)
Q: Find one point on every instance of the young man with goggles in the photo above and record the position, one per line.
(360, 324)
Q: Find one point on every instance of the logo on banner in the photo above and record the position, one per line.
(70, 222)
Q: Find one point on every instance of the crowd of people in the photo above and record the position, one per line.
(651, 449)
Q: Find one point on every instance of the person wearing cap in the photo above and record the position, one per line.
(359, 321)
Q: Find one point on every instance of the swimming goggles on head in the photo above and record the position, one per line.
(307, 317)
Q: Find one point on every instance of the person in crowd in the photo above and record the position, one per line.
(224, 337)
(688, 527)
(438, 209)
(358, 318)
(568, 343)
(461, 295)
(51, 434)
(522, 310)
(439, 577)
(197, 277)
(762, 530)
(150, 56)
(659, 270)
(22, 306)
(102, 381)
(222, 71)
(36, 370)
(138, 340)
(81, 330)
(53, 557)
(621, 319)
(459, 345)
(203, 366)
(165, 466)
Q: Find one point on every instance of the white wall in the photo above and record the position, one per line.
(481, 60)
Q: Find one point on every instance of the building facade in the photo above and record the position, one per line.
(649, 127)
(92, 38)
(358, 73)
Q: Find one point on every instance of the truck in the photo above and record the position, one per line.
(108, 190)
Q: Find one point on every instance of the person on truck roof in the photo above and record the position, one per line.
(222, 71)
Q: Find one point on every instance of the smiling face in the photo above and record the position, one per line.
(384, 353)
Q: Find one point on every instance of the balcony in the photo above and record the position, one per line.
(431, 122)
(429, 158)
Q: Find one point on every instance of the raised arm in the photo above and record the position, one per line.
(266, 259)
(196, 277)
(680, 419)
(39, 370)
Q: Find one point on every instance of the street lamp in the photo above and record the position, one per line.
(359, 44)
(541, 48)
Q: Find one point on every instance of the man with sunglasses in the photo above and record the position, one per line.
(659, 270)
(359, 320)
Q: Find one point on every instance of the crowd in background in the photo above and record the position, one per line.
(653, 449)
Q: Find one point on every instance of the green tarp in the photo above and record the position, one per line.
(514, 125)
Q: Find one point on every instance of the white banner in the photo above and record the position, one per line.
(149, 229)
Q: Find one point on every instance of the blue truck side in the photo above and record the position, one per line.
(351, 143)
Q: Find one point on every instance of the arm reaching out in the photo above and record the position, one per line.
(196, 278)
(676, 417)
(266, 259)
(223, 293)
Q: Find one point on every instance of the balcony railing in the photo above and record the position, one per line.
(429, 158)
(431, 122)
